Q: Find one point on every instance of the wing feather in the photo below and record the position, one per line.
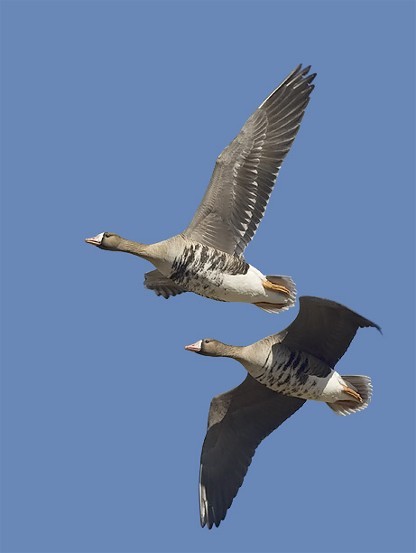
(246, 170)
(238, 421)
(323, 328)
(161, 285)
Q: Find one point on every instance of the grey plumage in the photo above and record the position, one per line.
(210, 250)
(285, 370)
(323, 328)
(238, 421)
(246, 170)
(161, 285)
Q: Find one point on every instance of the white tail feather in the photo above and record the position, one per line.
(287, 283)
(288, 298)
(362, 385)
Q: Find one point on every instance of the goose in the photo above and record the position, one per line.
(284, 370)
(207, 257)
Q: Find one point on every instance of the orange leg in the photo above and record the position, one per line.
(265, 305)
(275, 287)
(353, 393)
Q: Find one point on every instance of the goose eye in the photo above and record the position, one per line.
(207, 341)
(106, 235)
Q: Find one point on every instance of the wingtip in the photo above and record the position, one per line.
(210, 523)
(299, 78)
(370, 324)
(310, 78)
(303, 70)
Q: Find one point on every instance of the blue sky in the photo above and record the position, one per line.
(113, 116)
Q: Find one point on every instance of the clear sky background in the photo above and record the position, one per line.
(113, 116)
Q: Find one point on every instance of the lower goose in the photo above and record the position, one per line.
(284, 370)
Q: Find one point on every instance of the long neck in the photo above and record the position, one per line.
(224, 350)
(136, 248)
(255, 356)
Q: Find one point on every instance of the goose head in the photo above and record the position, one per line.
(211, 347)
(105, 241)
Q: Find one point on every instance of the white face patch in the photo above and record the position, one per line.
(95, 240)
(194, 347)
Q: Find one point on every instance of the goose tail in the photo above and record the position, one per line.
(362, 386)
(286, 290)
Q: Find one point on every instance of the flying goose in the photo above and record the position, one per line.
(207, 257)
(284, 370)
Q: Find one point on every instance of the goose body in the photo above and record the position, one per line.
(284, 370)
(299, 374)
(207, 257)
(218, 275)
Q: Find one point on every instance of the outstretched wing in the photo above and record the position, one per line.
(238, 421)
(245, 172)
(322, 328)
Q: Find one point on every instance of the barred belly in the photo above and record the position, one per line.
(294, 373)
(202, 270)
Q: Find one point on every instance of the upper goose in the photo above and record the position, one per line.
(284, 370)
(206, 258)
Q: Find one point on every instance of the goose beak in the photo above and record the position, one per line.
(194, 347)
(95, 240)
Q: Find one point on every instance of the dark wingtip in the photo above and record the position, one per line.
(210, 522)
(301, 77)
(372, 325)
(378, 328)
(310, 78)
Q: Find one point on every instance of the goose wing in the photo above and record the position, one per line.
(161, 285)
(246, 170)
(322, 328)
(238, 421)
